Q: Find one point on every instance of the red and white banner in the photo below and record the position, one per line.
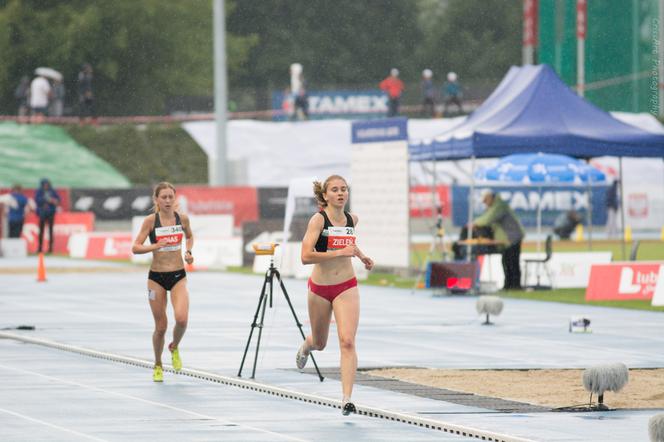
(423, 200)
(103, 245)
(240, 201)
(581, 18)
(66, 224)
(623, 281)
(65, 199)
(530, 22)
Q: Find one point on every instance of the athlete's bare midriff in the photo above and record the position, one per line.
(167, 261)
(333, 271)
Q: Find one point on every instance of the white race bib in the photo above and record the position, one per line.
(172, 234)
(340, 237)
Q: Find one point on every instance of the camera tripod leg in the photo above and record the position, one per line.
(260, 332)
(297, 321)
(254, 323)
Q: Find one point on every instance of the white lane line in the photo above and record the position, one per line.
(146, 401)
(48, 424)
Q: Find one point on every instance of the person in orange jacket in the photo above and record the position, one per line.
(393, 87)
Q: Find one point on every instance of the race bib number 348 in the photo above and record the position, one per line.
(173, 236)
(340, 237)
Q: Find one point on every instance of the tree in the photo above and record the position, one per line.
(142, 52)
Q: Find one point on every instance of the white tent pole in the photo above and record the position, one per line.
(622, 207)
(471, 202)
(590, 211)
(539, 219)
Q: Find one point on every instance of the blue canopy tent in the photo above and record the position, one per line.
(533, 110)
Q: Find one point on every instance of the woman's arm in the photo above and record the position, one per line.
(138, 247)
(309, 254)
(189, 239)
(368, 262)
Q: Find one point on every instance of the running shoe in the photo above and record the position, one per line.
(158, 374)
(175, 357)
(301, 357)
(348, 408)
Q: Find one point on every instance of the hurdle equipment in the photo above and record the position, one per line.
(489, 305)
(656, 428)
(602, 378)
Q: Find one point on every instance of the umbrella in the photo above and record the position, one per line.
(48, 73)
(540, 169)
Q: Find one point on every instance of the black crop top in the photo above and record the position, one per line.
(321, 244)
(173, 234)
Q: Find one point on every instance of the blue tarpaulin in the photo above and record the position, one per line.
(533, 110)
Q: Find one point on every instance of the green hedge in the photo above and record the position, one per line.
(146, 154)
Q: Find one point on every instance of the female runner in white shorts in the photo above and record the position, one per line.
(329, 244)
(166, 228)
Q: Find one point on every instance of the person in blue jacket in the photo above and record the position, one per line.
(17, 213)
(47, 201)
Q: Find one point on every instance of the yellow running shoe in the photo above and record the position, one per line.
(158, 374)
(175, 357)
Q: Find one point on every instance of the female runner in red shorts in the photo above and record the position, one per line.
(329, 244)
(166, 228)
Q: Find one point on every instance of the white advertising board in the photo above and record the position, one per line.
(379, 191)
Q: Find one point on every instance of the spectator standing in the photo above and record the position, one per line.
(47, 201)
(40, 93)
(452, 93)
(393, 87)
(428, 94)
(22, 95)
(17, 212)
(612, 202)
(58, 101)
(299, 93)
(86, 97)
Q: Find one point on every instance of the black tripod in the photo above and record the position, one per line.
(262, 304)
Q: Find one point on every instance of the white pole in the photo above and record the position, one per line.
(581, 25)
(660, 60)
(217, 168)
(471, 203)
(635, 55)
(539, 219)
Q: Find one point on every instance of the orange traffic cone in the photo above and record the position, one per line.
(41, 269)
(188, 267)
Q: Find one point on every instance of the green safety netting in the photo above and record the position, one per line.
(31, 152)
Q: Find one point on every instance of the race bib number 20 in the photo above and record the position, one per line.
(340, 237)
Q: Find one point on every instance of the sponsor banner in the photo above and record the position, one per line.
(241, 201)
(423, 200)
(113, 204)
(525, 201)
(378, 131)
(102, 245)
(623, 281)
(568, 269)
(66, 224)
(65, 197)
(334, 104)
(272, 202)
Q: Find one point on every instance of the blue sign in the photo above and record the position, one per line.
(526, 200)
(375, 131)
(334, 104)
